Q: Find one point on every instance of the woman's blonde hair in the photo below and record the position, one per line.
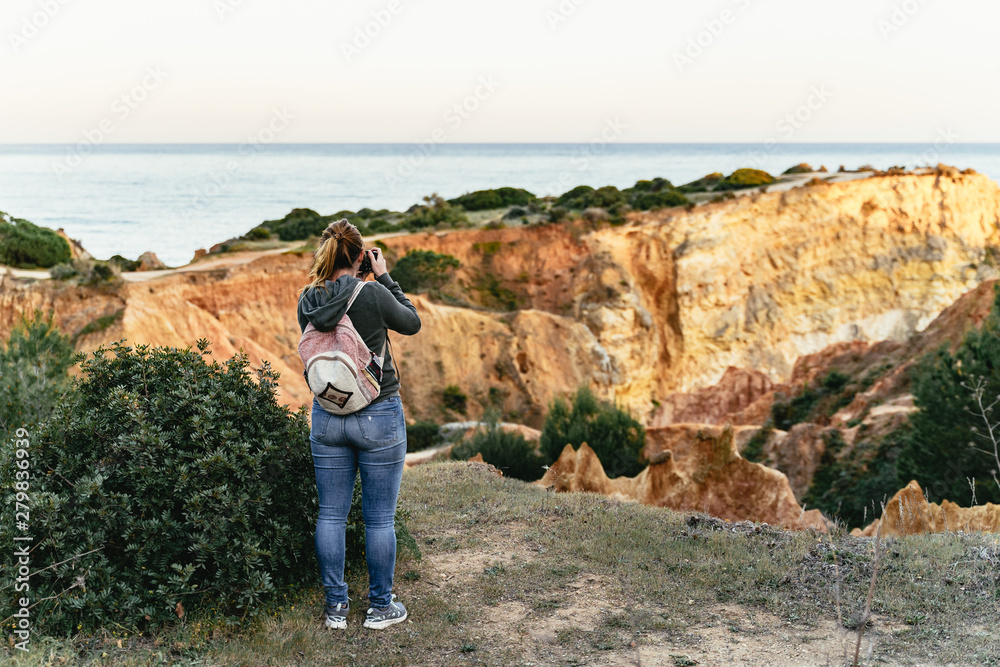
(339, 248)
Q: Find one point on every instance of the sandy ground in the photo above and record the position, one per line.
(728, 634)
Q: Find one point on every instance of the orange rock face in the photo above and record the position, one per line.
(711, 478)
(639, 313)
(909, 513)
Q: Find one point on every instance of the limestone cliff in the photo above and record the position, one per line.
(661, 305)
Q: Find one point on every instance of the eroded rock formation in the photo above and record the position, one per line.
(909, 513)
(710, 478)
(640, 312)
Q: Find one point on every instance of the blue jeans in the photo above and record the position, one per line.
(374, 441)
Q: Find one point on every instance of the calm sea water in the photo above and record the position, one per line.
(173, 199)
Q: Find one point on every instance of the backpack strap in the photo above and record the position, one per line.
(354, 295)
(357, 291)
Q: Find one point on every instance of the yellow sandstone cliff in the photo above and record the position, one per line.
(663, 304)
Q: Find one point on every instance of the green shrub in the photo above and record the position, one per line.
(558, 214)
(508, 451)
(814, 402)
(614, 435)
(801, 168)
(63, 271)
(482, 200)
(423, 435)
(576, 193)
(663, 199)
(380, 226)
(123, 263)
(945, 447)
(423, 270)
(29, 246)
(745, 178)
(852, 487)
(655, 185)
(161, 480)
(260, 233)
(754, 449)
(33, 373)
(300, 224)
(435, 211)
(454, 399)
(584, 197)
(703, 184)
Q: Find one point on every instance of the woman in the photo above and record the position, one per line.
(372, 440)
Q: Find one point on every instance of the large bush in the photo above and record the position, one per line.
(745, 178)
(423, 270)
(433, 212)
(33, 373)
(300, 224)
(614, 435)
(29, 246)
(507, 450)
(584, 197)
(166, 480)
(481, 200)
(945, 448)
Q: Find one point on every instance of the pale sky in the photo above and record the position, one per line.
(556, 71)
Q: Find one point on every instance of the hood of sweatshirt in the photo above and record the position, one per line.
(325, 307)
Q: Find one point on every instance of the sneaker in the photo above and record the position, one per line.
(382, 617)
(336, 617)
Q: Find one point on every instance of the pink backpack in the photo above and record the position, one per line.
(343, 374)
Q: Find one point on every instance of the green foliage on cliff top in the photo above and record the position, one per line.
(481, 200)
(745, 178)
(28, 246)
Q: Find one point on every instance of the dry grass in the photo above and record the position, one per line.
(514, 575)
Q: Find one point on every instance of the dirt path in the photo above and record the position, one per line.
(587, 622)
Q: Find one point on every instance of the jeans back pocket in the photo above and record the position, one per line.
(379, 423)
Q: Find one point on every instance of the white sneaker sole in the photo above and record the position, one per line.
(336, 625)
(378, 625)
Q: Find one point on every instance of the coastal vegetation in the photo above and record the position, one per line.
(490, 208)
(481, 200)
(27, 246)
(615, 436)
(163, 484)
(507, 450)
(423, 270)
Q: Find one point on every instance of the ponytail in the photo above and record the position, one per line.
(339, 248)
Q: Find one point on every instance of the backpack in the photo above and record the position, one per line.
(342, 373)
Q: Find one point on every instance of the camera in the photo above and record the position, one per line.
(366, 262)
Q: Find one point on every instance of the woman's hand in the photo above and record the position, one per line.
(378, 263)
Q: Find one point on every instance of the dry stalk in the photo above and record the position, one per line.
(836, 583)
(871, 591)
(978, 391)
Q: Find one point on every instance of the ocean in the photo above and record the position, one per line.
(174, 198)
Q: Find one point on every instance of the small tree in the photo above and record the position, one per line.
(614, 435)
(423, 270)
(944, 449)
(33, 372)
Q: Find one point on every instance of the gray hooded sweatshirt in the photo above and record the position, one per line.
(380, 306)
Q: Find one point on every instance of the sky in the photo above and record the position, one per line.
(220, 71)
